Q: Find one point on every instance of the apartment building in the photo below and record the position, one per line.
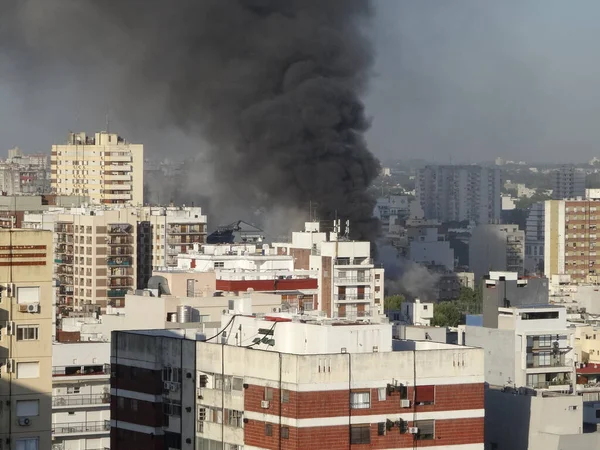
(22, 174)
(532, 347)
(571, 239)
(81, 396)
(26, 292)
(105, 168)
(350, 285)
(568, 182)
(496, 248)
(279, 383)
(459, 193)
(173, 230)
(534, 239)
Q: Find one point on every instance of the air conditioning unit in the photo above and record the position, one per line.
(24, 421)
(33, 308)
(405, 403)
(264, 404)
(167, 385)
(23, 308)
(413, 430)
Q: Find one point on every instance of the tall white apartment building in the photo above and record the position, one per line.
(81, 395)
(105, 168)
(568, 182)
(25, 339)
(459, 193)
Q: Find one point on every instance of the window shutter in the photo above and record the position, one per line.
(425, 394)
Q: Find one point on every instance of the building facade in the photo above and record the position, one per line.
(22, 174)
(459, 193)
(26, 292)
(571, 239)
(81, 396)
(298, 386)
(496, 248)
(534, 239)
(568, 182)
(105, 168)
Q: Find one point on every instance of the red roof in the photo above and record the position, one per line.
(589, 368)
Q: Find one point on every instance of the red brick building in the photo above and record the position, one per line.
(267, 388)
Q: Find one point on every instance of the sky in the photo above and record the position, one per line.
(454, 81)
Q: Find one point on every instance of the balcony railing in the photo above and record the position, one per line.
(81, 427)
(78, 371)
(119, 261)
(353, 297)
(112, 293)
(352, 315)
(352, 280)
(353, 261)
(80, 400)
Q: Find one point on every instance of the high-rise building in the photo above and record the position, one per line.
(460, 193)
(534, 239)
(568, 182)
(571, 239)
(26, 292)
(105, 168)
(22, 174)
(293, 383)
(496, 248)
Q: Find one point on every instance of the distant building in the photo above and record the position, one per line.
(251, 389)
(534, 239)
(571, 239)
(105, 168)
(386, 172)
(22, 174)
(390, 210)
(429, 248)
(568, 183)
(496, 248)
(459, 193)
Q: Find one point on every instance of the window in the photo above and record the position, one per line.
(426, 429)
(285, 396)
(27, 444)
(134, 405)
(425, 395)
(27, 332)
(28, 408)
(172, 407)
(172, 374)
(360, 400)
(121, 402)
(381, 394)
(285, 433)
(268, 429)
(219, 264)
(237, 384)
(360, 434)
(73, 389)
(26, 295)
(201, 418)
(539, 315)
(381, 429)
(268, 394)
(235, 418)
(28, 369)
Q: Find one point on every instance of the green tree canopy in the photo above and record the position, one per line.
(393, 302)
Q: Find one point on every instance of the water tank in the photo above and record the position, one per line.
(184, 314)
(173, 317)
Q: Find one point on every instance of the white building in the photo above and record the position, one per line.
(389, 210)
(429, 248)
(80, 396)
(460, 193)
(532, 347)
(105, 168)
(496, 248)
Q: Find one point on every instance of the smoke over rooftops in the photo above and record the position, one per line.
(272, 86)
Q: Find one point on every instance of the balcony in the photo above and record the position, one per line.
(352, 280)
(117, 177)
(100, 426)
(117, 168)
(116, 293)
(119, 261)
(80, 400)
(120, 273)
(191, 229)
(353, 298)
(121, 251)
(124, 228)
(117, 187)
(78, 371)
(353, 261)
(120, 240)
(109, 196)
(118, 158)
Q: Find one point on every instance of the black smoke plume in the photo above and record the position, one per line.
(272, 86)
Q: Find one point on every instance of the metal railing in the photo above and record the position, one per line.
(353, 297)
(81, 427)
(77, 371)
(81, 399)
(353, 261)
(352, 279)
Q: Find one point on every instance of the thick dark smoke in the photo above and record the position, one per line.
(273, 86)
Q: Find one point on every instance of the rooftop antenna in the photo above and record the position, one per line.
(107, 122)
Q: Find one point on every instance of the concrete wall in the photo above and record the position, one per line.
(499, 350)
(535, 292)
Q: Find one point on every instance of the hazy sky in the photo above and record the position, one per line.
(466, 80)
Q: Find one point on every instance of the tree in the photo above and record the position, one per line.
(447, 314)
(393, 302)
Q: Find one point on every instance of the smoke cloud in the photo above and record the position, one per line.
(272, 87)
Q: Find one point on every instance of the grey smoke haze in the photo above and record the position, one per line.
(273, 87)
(406, 277)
